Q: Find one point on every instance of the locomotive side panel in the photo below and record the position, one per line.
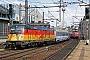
(52, 35)
(23, 35)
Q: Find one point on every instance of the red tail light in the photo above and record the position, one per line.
(9, 31)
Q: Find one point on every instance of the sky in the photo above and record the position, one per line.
(71, 10)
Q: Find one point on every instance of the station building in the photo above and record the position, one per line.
(82, 27)
(18, 16)
(84, 24)
(4, 20)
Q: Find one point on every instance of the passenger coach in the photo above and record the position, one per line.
(61, 35)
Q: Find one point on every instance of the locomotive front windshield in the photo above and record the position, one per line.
(16, 29)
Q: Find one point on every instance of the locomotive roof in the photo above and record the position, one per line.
(61, 30)
(42, 28)
(19, 24)
(33, 27)
(26, 25)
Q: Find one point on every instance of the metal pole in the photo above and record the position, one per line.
(11, 20)
(63, 18)
(88, 25)
(60, 11)
(89, 20)
(26, 12)
(19, 13)
(10, 14)
(43, 18)
(81, 28)
(56, 23)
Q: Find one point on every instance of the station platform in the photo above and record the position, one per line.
(81, 52)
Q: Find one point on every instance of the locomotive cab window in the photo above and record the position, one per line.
(16, 29)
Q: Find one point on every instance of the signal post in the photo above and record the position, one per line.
(87, 40)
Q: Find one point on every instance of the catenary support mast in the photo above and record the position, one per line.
(89, 19)
(26, 12)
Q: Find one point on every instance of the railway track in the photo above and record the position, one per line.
(2, 42)
(14, 54)
(37, 53)
(63, 53)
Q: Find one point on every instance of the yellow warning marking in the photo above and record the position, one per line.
(1, 49)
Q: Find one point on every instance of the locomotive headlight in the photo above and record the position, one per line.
(21, 37)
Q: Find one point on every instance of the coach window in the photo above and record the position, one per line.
(0, 14)
(57, 33)
(63, 34)
(66, 34)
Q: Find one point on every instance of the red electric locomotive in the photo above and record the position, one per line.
(75, 35)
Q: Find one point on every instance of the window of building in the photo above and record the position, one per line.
(7, 6)
(0, 14)
(3, 28)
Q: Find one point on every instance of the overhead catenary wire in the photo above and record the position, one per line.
(81, 9)
(42, 9)
(69, 2)
(49, 12)
(68, 14)
(54, 18)
(76, 10)
(34, 4)
(38, 2)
